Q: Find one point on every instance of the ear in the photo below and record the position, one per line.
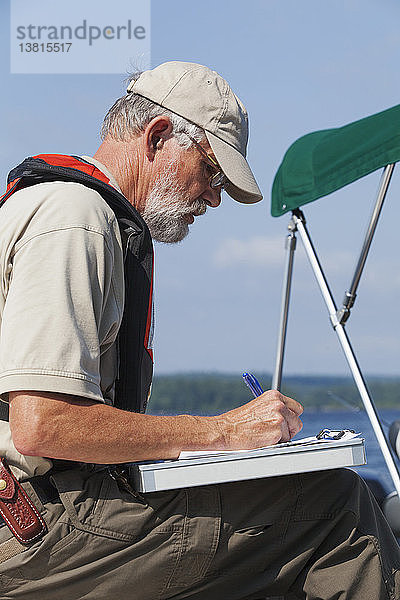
(157, 131)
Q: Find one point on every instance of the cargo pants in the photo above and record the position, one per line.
(310, 536)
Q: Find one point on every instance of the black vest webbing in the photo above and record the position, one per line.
(135, 358)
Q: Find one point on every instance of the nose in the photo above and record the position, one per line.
(212, 196)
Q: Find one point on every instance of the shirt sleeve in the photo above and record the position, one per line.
(60, 312)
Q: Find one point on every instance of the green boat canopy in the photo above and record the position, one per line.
(321, 162)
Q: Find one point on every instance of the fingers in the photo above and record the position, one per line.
(285, 432)
(285, 412)
(291, 424)
(294, 406)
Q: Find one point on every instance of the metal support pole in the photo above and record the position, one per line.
(350, 296)
(348, 351)
(290, 246)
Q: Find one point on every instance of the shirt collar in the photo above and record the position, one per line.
(104, 170)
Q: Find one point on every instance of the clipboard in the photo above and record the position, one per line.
(272, 461)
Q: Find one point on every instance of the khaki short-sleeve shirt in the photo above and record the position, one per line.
(61, 298)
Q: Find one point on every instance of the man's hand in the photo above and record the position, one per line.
(266, 420)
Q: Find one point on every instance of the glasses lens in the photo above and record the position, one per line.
(218, 180)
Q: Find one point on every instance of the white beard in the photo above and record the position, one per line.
(166, 207)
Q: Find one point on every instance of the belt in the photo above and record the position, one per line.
(43, 487)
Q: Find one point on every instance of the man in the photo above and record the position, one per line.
(75, 365)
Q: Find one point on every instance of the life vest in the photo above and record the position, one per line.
(135, 371)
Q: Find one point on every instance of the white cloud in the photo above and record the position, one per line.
(338, 262)
(255, 252)
(379, 274)
(338, 265)
(384, 277)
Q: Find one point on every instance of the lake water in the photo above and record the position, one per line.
(376, 466)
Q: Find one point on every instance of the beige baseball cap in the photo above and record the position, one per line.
(203, 97)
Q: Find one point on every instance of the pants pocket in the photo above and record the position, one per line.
(95, 504)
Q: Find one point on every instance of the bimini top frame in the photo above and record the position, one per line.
(314, 166)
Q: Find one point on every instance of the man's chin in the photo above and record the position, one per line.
(172, 235)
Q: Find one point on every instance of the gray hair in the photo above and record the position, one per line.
(130, 114)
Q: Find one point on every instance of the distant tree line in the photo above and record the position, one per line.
(210, 393)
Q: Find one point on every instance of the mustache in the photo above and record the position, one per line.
(198, 207)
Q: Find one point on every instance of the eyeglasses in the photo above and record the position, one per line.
(218, 180)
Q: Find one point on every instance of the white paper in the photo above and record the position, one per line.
(185, 455)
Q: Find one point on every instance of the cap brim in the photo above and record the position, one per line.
(242, 186)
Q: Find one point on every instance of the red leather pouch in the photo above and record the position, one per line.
(17, 509)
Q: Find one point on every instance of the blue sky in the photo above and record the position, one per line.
(298, 67)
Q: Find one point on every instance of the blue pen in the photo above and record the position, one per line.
(253, 384)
